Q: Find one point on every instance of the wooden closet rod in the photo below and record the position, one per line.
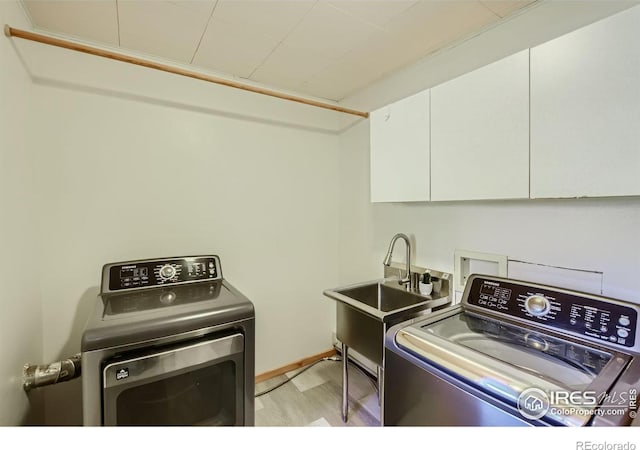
(70, 45)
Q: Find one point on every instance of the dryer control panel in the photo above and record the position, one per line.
(159, 272)
(598, 318)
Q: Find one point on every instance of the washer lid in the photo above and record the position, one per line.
(567, 364)
(505, 360)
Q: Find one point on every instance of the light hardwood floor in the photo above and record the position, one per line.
(314, 398)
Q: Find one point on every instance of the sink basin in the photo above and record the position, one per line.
(365, 312)
(382, 296)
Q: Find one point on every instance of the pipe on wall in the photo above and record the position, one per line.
(34, 376)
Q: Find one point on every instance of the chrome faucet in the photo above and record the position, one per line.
(387, 260)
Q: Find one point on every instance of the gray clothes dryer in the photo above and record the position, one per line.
(170, 342)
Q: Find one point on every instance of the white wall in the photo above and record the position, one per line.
(169, 169)
(21, 317)
(122, 179)
(596, 234)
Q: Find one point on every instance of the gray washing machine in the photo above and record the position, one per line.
(170, 342)
(515, 353)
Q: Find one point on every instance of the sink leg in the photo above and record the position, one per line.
(345, 383)
(380, 374)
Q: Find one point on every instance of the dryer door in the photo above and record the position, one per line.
(196, 383)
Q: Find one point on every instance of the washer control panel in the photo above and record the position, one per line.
(158, 272)
(599, 318)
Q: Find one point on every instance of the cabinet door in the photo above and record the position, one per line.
(400, 150)
(480, 133)
(585, 111)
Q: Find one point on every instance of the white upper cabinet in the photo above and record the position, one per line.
(400, 150)
(480, 133)
(585, 111)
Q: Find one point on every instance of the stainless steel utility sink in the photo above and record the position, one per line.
(366, 310)
(385, 299)
(382, 296)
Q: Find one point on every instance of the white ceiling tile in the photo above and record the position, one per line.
(328, 31)
(232, 49)
(328, 48)
(381, 55)
(333, 83)
(163, 28)
(92, 21)
(438, 24)
(330, 91)
(378, 12)
(199, 6)
(363, 66)
(289, 84)
(504, 8)
(273, 17)
(290, 65)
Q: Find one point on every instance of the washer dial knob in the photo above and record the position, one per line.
(537, 305)
(167, 272)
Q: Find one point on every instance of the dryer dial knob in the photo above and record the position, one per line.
(167, 272)
(537, 305)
